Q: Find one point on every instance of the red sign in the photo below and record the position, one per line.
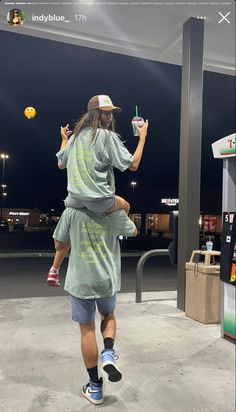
(209, 223)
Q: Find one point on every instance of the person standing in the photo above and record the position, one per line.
(93, 279)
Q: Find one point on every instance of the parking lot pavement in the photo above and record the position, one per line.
(170, 363)
(26, 276)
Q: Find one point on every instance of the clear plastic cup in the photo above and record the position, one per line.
(209, 245)
(137, 121)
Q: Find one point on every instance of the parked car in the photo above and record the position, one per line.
(4, 227)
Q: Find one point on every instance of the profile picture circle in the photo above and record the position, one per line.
(16, 17)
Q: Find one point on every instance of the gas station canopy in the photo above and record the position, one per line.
(150, 30)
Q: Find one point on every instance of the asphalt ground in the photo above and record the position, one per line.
(26, 276)
(42, 240)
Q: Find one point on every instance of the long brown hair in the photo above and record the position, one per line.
(92, 121)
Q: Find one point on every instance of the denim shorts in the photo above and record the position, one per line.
(83, 310)
(100, 205)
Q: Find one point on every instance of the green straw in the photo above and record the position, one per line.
(136, 110)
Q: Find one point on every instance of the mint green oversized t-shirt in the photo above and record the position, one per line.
(94, 268)
(90, 163)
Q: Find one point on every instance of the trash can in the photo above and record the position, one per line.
(202, 299)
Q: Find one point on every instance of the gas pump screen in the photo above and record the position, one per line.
(228, 249)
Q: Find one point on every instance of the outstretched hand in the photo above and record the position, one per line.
(65, 132)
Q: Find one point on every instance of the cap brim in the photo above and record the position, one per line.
(109, 108)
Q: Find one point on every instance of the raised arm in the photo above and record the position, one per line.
(137, 156)
(65, 134)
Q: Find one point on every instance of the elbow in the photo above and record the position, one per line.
(133, 167)
(61, 166)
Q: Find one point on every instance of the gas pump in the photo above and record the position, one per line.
(228, 249)
(226, 149)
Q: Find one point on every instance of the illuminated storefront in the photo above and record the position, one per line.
(156, 223)
(28, 217)
(211, 223)
(137, 219)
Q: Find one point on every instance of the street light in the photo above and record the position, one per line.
(4, 157)
(133, 184)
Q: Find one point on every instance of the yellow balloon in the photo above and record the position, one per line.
(30, 112)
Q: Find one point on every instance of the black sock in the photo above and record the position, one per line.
(93, 374)
(108, 343)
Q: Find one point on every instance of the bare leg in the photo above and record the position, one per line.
(93, 390)
(108, 330)
(120, 203)
(89, 345)
(108, 326)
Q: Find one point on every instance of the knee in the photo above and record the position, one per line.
(107, 317)
(87, 328)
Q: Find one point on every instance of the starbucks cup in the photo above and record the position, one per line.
(137, 121)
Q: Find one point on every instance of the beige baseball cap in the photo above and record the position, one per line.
(102, 102)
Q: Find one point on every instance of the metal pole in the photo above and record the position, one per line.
(3, 170)
(2, 187)
(139, 269)
(190, 148)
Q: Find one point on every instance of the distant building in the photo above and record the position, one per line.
(29, 217)
(157, 224)
(154, 224)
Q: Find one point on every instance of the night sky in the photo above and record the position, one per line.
(58, 79)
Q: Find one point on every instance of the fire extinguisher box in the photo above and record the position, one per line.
(202, 300)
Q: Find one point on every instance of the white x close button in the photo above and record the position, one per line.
(224, 17)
